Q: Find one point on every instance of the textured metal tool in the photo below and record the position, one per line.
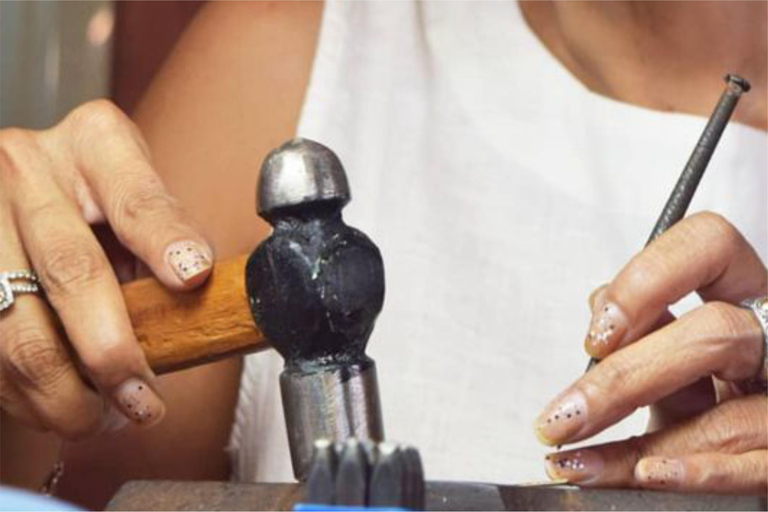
(364, 473)
(315, 288)
(387, 478)
(352, 476)
(320, 486)
(413, 478)
(686, 185)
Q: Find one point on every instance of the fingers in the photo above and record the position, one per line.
(113, 158)
(702, 252)
(745, 473)
(94, 166)
(38, 383)
(15, 403)
(683, 403)
(731, 429)
(85, 294)
(715, 339)
(43, 386)
(701, 472)
(596, 295)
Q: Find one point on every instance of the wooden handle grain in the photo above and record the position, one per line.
(181, 329)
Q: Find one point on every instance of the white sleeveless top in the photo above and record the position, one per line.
(501, 192)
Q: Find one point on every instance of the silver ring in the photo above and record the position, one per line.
(17, 282)
(759, 307)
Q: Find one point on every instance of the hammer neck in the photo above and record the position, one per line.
(290, 217)
(333, 403)
(345, 365)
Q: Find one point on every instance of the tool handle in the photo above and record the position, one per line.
(181, 329)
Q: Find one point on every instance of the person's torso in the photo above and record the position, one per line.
(500, 192)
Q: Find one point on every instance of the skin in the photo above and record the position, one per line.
(705, 428)
(251, 107)
(723, 441)
(657, 54)
(215, 110)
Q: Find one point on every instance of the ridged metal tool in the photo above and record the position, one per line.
(364, 474)
(681, 196)
(321, 487)
(352, 476)
(387, 477)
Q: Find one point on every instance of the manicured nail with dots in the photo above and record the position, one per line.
(660, 472)
(187, 259)
(139, 403)
(562, 418)
(579, 466)
(606, 330)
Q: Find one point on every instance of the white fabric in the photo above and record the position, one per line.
(501, 192)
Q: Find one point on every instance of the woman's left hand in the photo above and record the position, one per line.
(709, 434)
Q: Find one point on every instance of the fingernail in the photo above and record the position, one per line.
(660, 472)
(562, 418)
(580, 466)
(113, 420)
(606, 330)
(139, 402)
(187, 259)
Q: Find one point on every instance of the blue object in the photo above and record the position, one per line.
(20, 500)
(318, 507)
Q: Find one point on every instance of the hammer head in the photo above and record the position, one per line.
(298, 173)
(316, 285)
(315, 288)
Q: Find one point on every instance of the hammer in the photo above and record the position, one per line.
(312, 291)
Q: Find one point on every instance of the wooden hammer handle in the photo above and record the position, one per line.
(181, 329)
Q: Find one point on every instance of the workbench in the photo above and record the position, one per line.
(169, 495)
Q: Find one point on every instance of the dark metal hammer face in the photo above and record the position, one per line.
(315, 288)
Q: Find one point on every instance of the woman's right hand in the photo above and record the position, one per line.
(67, 358)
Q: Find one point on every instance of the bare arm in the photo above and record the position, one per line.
(231, 90)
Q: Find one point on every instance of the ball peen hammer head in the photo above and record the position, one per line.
(315, 288)
(316, 285)
(299, 173)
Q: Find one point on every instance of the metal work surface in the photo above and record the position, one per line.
(166, 495)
